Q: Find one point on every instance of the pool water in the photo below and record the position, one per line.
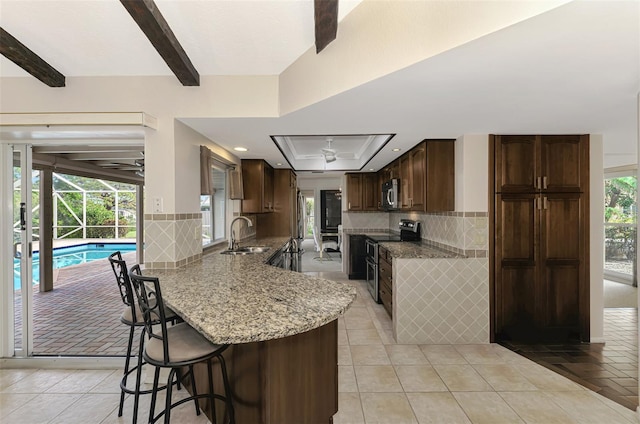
(72, 255)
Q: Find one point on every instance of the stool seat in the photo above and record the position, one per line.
(184, 344)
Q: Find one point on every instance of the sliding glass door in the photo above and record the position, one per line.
(17, 280)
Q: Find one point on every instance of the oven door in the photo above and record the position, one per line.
(372, 279)
(371, 247)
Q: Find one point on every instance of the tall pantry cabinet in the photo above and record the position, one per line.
(540, 248)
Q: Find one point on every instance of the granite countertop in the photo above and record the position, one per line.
(412, 250)
(416, 250)
(234, 299)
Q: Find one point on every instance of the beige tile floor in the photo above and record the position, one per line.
(379, 382)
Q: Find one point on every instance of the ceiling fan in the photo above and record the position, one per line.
(329, 153)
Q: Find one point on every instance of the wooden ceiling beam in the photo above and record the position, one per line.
(155, 27)
(326, 22)
(25, 58)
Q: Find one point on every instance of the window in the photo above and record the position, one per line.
(213, 208)
(620, 216)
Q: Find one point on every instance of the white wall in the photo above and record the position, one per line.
(380, 37)
(168, 167)
(472, 173)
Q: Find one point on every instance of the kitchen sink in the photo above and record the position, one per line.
(246, 250)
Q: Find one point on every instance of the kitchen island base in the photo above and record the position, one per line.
(291, 380)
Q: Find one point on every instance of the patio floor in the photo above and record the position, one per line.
(81, 315)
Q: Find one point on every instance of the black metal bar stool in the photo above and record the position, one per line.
(176, 347)
(132, 317)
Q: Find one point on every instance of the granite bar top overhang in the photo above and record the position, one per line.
(234, 299)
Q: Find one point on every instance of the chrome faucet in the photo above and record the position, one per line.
(233, 244)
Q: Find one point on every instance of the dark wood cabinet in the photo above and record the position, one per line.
(354, 192)
(385, 279)
(541, 163)
(440, 176)
(283, 221)
(405, 182)
(257, 179)
(540, 246)
(357, 257)
(362, 191)
(370, 191)
(427, 177)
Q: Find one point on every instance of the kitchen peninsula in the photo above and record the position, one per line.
(282, 327)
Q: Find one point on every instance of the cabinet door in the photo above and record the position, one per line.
(516, 164)
(440, 175)
(563, 288)
(253, 182)
(370, 192)
(354, 192)
(564, 160)
(515, 264)
(418, 164)
(405, 182)
(268, 188)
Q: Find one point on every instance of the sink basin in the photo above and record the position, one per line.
(246, 250)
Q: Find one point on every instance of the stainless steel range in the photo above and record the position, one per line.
(409, 231)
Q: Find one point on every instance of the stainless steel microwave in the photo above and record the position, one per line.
(390, 192)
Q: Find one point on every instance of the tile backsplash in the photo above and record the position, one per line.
(466, 233)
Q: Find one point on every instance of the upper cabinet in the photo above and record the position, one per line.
(354, 192)
(284, 222)
(540, 163)
(362, 191)
(440, 175)
(427, 177)
(257, 179)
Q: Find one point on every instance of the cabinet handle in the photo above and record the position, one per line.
(349, 207)
(538, 203)
(544, 182)
(546, 205)
(538, 183)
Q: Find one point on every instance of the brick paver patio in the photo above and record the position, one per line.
(81, 315)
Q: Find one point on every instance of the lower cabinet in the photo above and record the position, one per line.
(385, 279)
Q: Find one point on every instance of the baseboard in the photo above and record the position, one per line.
(598, 340)
(60, 362)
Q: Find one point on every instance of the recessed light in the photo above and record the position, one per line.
(370, 169)
(396, 149)
(240, 149)
(278, 164)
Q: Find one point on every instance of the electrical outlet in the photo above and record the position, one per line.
(157, 205)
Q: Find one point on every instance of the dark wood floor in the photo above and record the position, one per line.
(610, 369)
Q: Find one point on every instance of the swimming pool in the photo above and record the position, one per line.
(72, 255)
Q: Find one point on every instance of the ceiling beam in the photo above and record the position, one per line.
(86, 148)
(326, 20)
(105, 156)
(84, 169)
(155, 27)
(25, 58)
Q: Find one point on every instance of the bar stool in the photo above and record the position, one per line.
(132, 317)
(176, 347)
